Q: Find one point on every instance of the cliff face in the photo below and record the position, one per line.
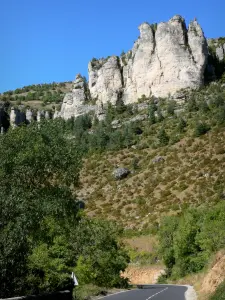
(105, 79)
(218, 47)
(164, 59)
(74, 103)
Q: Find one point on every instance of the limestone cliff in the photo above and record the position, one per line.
(218, 46)
(166, 58)
(74, 103)
(105, 80)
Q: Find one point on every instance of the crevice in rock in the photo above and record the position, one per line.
(121, 71)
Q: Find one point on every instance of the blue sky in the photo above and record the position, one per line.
(44, 40)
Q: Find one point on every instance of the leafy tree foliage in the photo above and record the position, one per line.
(181, 125)
(192, 105)
(171, 108)
(163, 138)
(102, 260)
(187, 241)
(151, 112)
(201, 128)
(37, 167)
(42, 235)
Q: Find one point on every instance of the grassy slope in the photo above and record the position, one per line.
(37, 103)
(190, 175)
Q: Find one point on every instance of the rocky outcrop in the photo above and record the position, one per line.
(105, 80)
(166, 58)
(20, 115)
(75, 102)
(29, 116)
(120, 173)
(17, 117)
(218, 47)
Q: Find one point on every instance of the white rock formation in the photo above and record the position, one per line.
(74, 103)
(47, 115)
(56, 114)
(105, 80)
(13, 117)
(39, 116)
(165, 60)
(29, 115)
(219, 47)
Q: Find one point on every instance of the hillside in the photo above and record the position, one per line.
(38, 96)
(185, 169)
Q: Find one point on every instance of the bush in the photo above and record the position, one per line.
(201, 128)
(219, 293)
(187, 241)
(171, 108)
(84, 292)
(163, 138)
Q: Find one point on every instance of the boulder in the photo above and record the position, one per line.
(158, 159)
(120, 173)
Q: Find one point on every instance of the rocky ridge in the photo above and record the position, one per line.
(218, 47)
(166, 57)
(75, 102)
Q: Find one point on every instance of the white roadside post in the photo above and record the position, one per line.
(74, 279)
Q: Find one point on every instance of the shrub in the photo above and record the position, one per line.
(187, 241)
(201, 128)
(163, 138)
(219, 294)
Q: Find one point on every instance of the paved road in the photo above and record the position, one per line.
(151, 292)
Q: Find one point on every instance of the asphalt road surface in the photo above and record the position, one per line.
(151, 292)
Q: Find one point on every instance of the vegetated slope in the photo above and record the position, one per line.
(190, 173)
(38, 95)
(209, 283)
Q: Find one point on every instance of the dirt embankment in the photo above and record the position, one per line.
(215, 275)
(143, 275)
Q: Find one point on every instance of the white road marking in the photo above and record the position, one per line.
(157, 294)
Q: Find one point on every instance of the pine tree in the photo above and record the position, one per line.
(163, 137)
(151, 113)
(181, 125)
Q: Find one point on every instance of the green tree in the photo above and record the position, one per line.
(201, 128)
(220, 117)
(103, 258)
(166, 238)
(163, 138)
(192, 105)
(203, 106)
(171, 108)
(38, 166)
(151, 113)
(187, 253)
(181, 125)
